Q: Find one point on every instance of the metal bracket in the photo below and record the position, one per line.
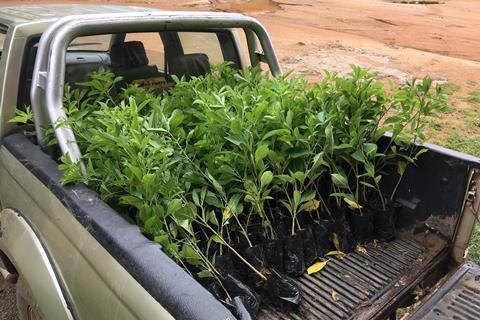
(55, 40)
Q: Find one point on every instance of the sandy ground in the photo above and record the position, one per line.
(399, 41)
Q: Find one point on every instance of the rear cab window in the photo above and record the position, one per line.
(100, 43)
(2, 40)
(148, 59)
(202, 42)
(3, 35)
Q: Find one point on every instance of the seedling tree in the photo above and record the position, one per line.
(202, 167)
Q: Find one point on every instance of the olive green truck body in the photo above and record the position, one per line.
(76, 258)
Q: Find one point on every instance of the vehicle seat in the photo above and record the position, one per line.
(129, 60)
(189, 65)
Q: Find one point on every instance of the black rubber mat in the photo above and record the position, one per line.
(457, 299)
(348, 284)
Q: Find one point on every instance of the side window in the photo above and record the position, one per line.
(97, 43)
(202, 42)
(153, 47)
(2, 40)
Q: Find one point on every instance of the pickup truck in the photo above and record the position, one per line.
(74, 257)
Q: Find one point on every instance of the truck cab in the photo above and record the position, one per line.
(76, 258)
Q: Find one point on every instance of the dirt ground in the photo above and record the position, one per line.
(399, 41)
(7, 299)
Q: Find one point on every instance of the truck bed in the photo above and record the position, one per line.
(455, 299)
(364, 283)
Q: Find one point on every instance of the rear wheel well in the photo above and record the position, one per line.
(8, 264)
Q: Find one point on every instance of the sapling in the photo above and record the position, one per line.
(413, 104)
(199, 166)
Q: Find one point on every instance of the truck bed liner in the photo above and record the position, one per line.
(456, 299)
(363, 282)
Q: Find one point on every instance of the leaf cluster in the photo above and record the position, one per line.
(200, 166)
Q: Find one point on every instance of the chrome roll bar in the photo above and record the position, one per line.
(49, 71)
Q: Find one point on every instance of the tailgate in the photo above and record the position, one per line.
(458, 298)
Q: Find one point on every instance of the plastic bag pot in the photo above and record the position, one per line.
(361, 223)
(293, 255)
(384, 223)
(322, 231)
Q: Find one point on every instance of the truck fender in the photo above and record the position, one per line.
(22, 246)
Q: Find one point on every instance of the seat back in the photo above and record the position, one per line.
(129, 60)
(189, 65)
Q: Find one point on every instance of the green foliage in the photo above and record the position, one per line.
(200, 165)
(469, 145)
(473, 97)
(450, 88)
(23, 116)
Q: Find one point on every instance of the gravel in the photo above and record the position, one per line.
(8, 310)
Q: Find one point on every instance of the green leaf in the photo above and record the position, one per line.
(297, 195)
(215, 183)
(370, 168)
(340, 180)
(150, 223)
(237, 139)
(204, 274)
(289, 118)
(176, 118)
(266, 178)
(369, 185)
(352, 203)
(213, 200)
(401, 166)
(212, 218)
(310, 205)
(189, 254)
(185, 224)
(261, 153)
(370, 149)
(217, 239)
(329, 140)
(148, 180)
(195, 198)
(277, 132)
(358, 155)
(419, 153)
(392, 119)
(307, 196)
(226, 214)
(300, 176)
(162, 239)
(173, 206)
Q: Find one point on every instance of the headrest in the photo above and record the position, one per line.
(128, 54)
(190, 65)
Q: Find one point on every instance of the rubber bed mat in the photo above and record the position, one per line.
(458, 298)
(359, 285)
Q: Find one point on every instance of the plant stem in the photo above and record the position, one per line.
(245, 261)
(209, 266)
(294, 218)
(236, 253)
(397, 184)
(244, 231)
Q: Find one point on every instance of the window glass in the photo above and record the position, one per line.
(2, 40)
(202, 42)
(153, 47)
(91, 43)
